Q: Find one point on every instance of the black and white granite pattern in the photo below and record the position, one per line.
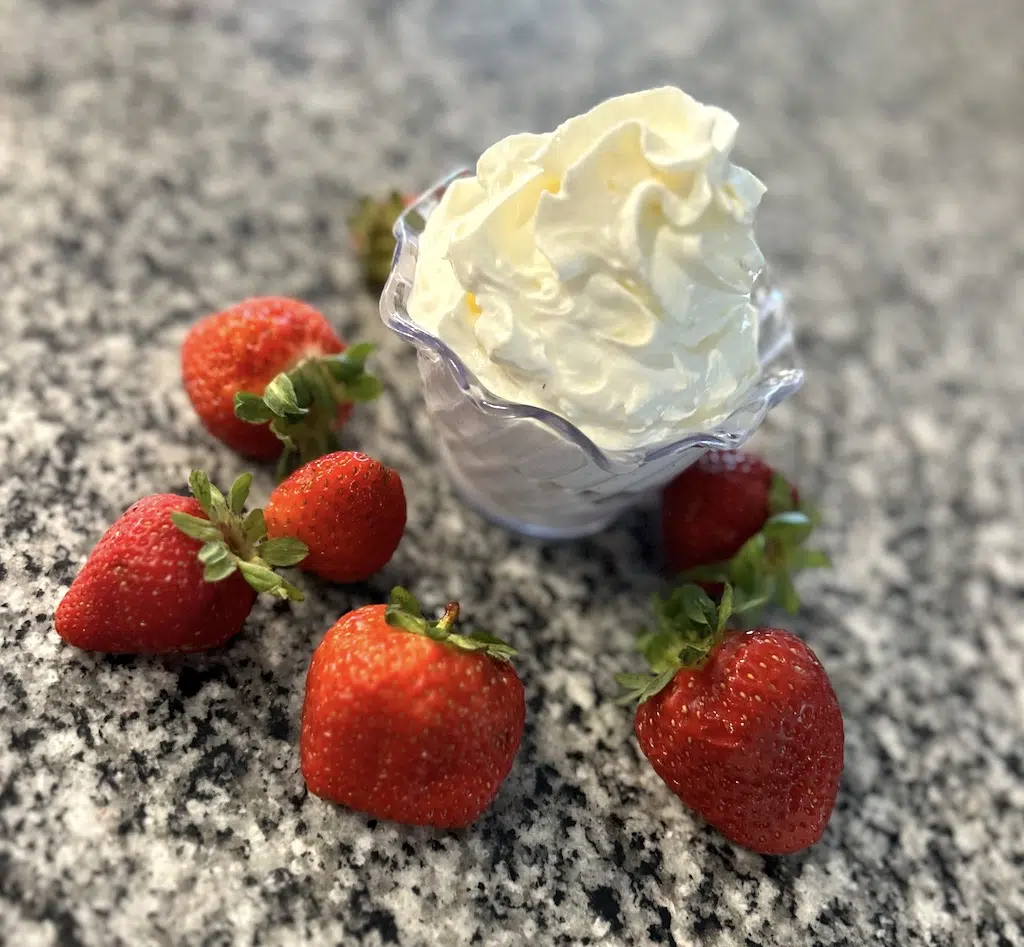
(161, 159)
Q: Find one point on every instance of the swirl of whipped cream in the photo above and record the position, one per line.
(603, 271)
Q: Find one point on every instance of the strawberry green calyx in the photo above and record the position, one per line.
(688, 627)
(766, 563)
(373, 237)
(403, 612)
(302, 404)
(236, 541)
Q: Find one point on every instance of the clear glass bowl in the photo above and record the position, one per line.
(532, 471)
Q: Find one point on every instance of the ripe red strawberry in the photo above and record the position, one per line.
(175, 574)
(348, 509)
(743, 726)
(731, 517)
(408, 721)
(270, 378)
(372, 235)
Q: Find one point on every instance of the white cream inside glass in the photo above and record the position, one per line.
(603, 271)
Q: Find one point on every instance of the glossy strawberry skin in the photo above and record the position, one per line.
(752, 740)
(242, 349)
(713, 507)
(141, 591)
(348, 508)
(405, 728)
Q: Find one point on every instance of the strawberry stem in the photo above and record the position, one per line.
(403, 612)
(450, 616)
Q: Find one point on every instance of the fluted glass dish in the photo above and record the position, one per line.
(533, 471)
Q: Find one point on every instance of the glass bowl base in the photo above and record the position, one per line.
(541, 528)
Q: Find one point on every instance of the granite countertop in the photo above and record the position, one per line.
(162, 159)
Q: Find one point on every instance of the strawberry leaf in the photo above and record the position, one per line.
(724, 609)
(697, 604)
(304, 385)
(742, 604)
(200, 487)
(263, 579)
(280, 397)
(219, 569)
(214, 552)
(640, 687)
(789, 529)
(657, 684)
(350, 364)
(259, 577)
(196, 527)
(662, 613)
(403, 612)
(302, 405)
(239, 493)
(688, 626)
(810, 559)
(286, 590)
(661, 649)
(364, 388)
(747, 566)
(220, 512)
(233, 543)
(633, 681)
(288, 461)
(762, 570)
(358, 354)
(347, 372)
(282, 551)
(315, 387)
(405, 600)
(492, 644)
(690, 656)
(787, 595)
(481, 641)
(251, 408)
(812, 512)
(713, 572)
(780, 495)
(254, 527)
(398, 618)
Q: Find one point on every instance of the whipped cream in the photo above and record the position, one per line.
(603, 271)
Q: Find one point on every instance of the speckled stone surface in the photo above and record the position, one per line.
(161, 159)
